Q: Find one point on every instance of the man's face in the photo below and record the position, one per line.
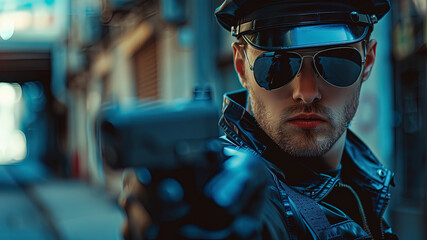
(307, 116)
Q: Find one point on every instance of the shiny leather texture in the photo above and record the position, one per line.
(360, 170)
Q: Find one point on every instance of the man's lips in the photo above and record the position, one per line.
(307, 121)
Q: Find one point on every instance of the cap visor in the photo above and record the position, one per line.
(306, 36)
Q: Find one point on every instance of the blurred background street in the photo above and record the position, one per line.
(62, 60)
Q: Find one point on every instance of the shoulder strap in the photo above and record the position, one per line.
(312, 214)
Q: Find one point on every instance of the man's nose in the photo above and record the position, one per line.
(306, 83)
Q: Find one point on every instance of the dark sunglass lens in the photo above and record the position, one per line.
(340, 67)
(275, 70)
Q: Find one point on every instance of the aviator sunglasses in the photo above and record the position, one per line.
(339, 66)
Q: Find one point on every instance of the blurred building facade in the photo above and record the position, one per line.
(410, 104)
(86, 53)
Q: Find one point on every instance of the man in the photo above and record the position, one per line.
(302, 64)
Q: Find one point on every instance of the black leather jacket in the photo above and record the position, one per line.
(363, 181)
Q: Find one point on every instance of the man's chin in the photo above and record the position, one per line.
(309, 144)
(305, 151)
(309, 137)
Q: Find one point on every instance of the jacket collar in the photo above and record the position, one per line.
(358, 161)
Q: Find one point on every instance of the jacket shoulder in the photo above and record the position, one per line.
(273, 216)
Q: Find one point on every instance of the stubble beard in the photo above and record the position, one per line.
(306, 142)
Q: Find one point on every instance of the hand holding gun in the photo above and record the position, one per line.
(189, 185)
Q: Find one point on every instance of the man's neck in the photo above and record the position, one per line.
(330, 160)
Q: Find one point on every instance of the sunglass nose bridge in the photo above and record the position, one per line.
(311, 63)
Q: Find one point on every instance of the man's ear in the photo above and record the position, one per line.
(371, 52)
(239, 63)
